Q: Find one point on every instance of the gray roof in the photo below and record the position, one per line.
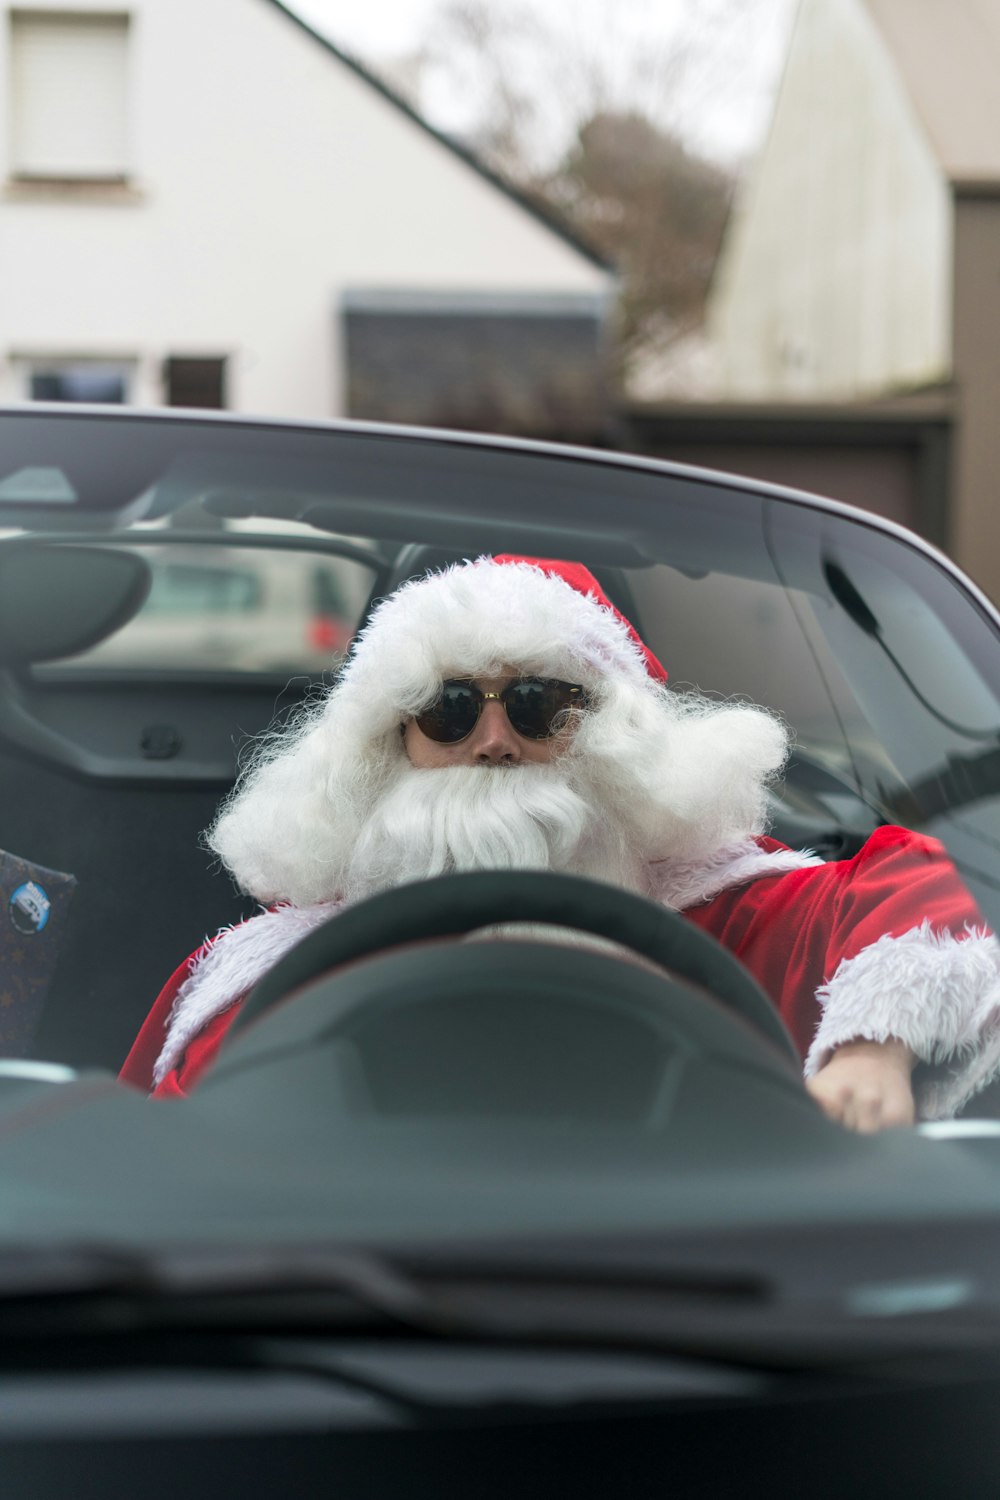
(948, 55)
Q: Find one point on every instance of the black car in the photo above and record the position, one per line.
(661, 1270)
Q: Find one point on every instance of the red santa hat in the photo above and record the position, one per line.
(538, 614)
(581, 579)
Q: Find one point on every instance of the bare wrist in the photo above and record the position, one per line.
(892, 1050)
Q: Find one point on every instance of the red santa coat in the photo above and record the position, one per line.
(887, 944)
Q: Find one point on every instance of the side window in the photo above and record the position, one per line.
(109, 381)
(183, 589)
(332, 624)
(223, 609)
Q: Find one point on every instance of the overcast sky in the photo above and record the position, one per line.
(377, 27)
(727, 116)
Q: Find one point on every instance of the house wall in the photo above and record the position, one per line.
(974, 538)
(265, 178)
(834, 280)
(891, 458)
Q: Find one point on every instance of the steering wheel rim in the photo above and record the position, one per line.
(453, 905)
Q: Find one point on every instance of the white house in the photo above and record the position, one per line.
(204, 202)
(860, 264)
(834, 279)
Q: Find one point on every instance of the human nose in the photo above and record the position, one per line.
(493, 741)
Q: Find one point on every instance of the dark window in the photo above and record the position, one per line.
(195, 382)
(328, 593)
(78, 383)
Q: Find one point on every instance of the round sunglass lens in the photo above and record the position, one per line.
(534, 706)
(453, 716)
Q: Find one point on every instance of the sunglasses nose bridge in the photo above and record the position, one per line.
(505, 700)
(481, 722)
(494, 738)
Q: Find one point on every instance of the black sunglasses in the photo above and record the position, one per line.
(535, 706)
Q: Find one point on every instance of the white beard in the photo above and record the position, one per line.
(433, 822)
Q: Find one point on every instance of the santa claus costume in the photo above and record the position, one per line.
(661, 792)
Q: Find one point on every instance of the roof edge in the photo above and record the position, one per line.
(975, 187)
(549, 219)
(936, 405)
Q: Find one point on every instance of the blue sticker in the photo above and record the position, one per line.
(29, 908)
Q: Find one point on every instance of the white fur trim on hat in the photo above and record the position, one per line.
(938, 993)
(472, 619)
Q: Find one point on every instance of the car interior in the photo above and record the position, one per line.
(112, 778)
(113, 774)
(114, 763)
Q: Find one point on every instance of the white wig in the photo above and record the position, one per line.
(677, 776)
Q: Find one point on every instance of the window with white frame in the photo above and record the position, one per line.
(69, 95)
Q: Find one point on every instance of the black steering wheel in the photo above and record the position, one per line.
(452, 905)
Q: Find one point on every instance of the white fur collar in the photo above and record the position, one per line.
(683, 883)
(229, 965)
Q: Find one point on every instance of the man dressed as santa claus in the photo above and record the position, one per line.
(502, 714)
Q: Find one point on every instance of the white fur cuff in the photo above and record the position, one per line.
(937, 993)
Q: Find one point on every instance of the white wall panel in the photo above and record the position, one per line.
(835, 277)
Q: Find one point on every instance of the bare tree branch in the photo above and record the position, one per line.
(586, 116)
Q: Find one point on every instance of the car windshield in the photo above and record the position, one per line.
(174, 588)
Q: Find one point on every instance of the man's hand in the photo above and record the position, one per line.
(866, 1085)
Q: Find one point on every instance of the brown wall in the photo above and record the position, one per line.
(896, 466)
(974, 533)
(879, 479)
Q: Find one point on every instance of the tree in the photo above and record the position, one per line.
(586, 118)
(655, 209)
